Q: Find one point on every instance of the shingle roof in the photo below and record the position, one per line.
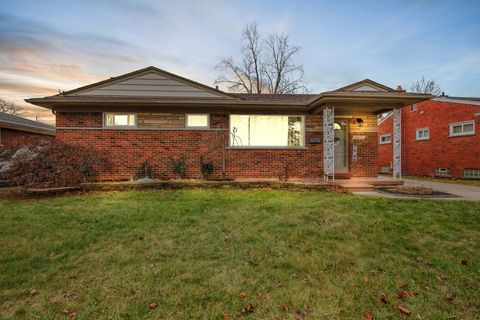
(20, 120)
(293, 98)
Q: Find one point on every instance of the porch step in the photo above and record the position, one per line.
(356, 187)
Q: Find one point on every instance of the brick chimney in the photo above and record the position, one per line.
(400, 89)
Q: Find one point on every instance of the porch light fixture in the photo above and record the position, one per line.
(360, 122)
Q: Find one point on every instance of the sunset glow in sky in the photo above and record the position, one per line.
(46, 46)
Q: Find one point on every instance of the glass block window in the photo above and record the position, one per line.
(471, 173)
(442, 172)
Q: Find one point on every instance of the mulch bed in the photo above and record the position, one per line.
(419, 192)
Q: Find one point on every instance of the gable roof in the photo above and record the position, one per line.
(150, 81)
(155, 89)
(10, 121)
(366, 85)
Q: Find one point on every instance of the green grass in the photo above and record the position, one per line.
(192, 252)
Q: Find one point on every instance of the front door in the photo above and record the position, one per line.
(340, 143)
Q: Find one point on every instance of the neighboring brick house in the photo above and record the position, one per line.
(440, 137)
(16, 131)
(154, 115)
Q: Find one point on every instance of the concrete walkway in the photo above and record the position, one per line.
(463, 192)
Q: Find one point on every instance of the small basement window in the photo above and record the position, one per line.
(423, 134)
(196, 120)
(471, 173)
(120, 120)
(442, 172)
(462, 128)
(384, 169)
(385, 138)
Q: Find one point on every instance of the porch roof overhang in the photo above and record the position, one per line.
(344, 103)
(26, 127)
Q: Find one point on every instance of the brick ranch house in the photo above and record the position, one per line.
(154, 115)
(15, 131)
(440, 137)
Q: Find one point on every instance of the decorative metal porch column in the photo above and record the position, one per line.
(328, 139)
(397, 144)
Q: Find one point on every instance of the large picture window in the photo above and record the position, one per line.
(120, 120)
(266, 131)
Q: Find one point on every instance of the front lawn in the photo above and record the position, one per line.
(208, 254)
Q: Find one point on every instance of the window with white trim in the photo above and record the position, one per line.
(386, 138)
(195, 120)
(120, 120)
(384, 169)
(423, 134)
(442, 172)
(471, 173)
(462, 128)
(266, 131)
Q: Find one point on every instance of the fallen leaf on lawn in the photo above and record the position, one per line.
(52, 254)
(69, 314)
(419, 259)
(404, 311)
(225, 316)
(32, 291)
(464, 262)
(153, 306)
(449, 297)
(141, 238)
(366, 279)
(285, 307)
(369, 316)
(441, 277)
(384, 298)
(248, 308)
(404, 294)
(133, 301)
(243, 295)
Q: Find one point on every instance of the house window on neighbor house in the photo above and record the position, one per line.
(414, 107)
(423, 134)
(267, 131)
(195, 120)
(442, 172)
(471, 173)
(385, 138)
(465, 128)
(120, 120)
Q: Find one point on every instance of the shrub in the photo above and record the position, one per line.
(179, 167)
(206, 168)
(144, 172)
(51, 163)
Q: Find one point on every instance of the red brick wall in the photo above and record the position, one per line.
(127, 149)
(440, 151)
(14, 138)
(365, 166)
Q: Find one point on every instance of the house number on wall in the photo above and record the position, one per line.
(354, 153)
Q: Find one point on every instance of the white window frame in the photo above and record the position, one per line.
(119, 126)
(443, 172)
(197, 127)
(417, 131)
(389, 135)
(463, 123)
(304, 133)
(414, 107)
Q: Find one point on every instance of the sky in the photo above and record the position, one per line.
(47, 46)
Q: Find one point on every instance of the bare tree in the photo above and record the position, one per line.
(266, 66)
(427, 86)
(10, 107)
